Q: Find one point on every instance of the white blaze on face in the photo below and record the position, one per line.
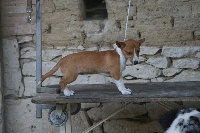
(135, 58)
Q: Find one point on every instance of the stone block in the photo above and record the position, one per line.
(25, 39)
(178, 52)
(160, 62)
(170, 71)
(144, 50)
(80, 122)
(13, 20)
(197, 35)
(30, 68)
(28, 53)
(142, 71)
(30, 86)
(12, 73)
(186, 63)
(62, 39)
(160, 79)
(50, 54)
(125, 126)
(89, 105)
(105, 110)
(48, 6)
(186, 75)
(21, 115)
(197, 55)
(67, 27)
(92, 26)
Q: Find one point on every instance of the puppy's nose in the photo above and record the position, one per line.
(135, 62)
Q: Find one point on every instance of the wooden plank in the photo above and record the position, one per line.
(147, 92)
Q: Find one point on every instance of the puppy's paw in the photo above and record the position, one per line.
(126, 91)
(68, 92)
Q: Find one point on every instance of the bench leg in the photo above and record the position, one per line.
(67, 128)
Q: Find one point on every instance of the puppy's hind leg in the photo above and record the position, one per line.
(63, 84)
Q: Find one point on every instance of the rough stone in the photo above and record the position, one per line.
(105, 110)
(197, 35)
(197, 55)
(123, 126)
(160, 79)
(170, 71)
(186, 63)
(144, 50)
(21, 113)
(12, 73)
(186, 75)
(25, 39)
(89, 105)
(29, 68)
(92, 26)
(142, 71)
(160, 62)
(28, 53)
(50, 54)
(80, 122)
(178, 52)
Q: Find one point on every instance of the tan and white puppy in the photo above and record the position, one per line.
(88, 62)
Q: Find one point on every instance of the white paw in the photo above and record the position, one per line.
(68, 92)
(126, 91)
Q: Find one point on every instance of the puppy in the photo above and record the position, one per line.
(181, 121)
(88, 62)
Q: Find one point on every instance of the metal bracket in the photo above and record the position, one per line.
(29, 10)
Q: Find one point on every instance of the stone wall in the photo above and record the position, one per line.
(170, 53)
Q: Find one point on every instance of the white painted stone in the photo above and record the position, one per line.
(49, 54)
(142, 71)
(96, 79)
(186, 75)
(144, 50)
(170, 71)
(91, 26)
(28, 53)
(90, 79)
(105, 48)
(197, 55)
(186, 63)
(30, 86)
(178, 52)
(51, 81)
(20, 118)
(160, 79)
(136, 81)
(160, 62)
(95, 48)
(29, 69)
(12, 72)
(25, 39)
(66, 53)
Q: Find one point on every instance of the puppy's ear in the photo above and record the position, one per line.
(120, 44)
(141, 41)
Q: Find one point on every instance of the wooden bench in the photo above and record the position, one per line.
(108, 93)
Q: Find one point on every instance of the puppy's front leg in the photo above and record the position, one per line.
(120, 85)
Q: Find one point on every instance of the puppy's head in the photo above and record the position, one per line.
(131, 48)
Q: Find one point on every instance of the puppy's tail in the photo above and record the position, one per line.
(51, 72)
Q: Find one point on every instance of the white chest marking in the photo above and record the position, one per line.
(122, 59)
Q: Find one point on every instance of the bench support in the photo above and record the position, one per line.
(67, 128)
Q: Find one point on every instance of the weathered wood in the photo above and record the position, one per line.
(147, 92)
